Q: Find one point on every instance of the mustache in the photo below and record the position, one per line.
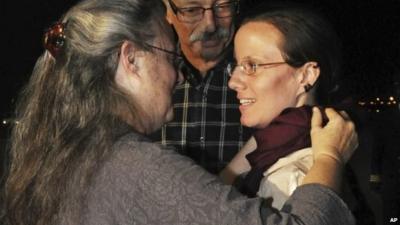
(220, 33)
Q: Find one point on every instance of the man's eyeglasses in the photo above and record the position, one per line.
(195, 14)
(177, 58)
(249, 67)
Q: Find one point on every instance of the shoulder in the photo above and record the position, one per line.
(115, 194)
(129, 154)
(132, 153)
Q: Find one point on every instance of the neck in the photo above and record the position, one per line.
(310, 98)
(306, 99)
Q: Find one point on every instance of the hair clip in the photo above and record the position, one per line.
(54, 38)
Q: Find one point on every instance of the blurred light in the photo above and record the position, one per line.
(9, 121)
(391, 98)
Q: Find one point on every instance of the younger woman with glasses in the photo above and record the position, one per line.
(287, 60)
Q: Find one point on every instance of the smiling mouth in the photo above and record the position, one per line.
(247, 101)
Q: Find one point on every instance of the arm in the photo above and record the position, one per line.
(144, 183)
(239, 163)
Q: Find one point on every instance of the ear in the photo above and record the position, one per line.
(308, 76)
(128, 70)
(127, 57)
(170, 14)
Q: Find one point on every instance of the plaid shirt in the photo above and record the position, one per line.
(206, 125)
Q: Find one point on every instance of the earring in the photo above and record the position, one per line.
(307, 87)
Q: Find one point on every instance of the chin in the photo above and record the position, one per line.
(253, 124)
(211, 53)
(246, 123)
(210, 56)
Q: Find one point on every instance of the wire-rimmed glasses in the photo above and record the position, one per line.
(250, 68)
(195, 14)
(177, 58)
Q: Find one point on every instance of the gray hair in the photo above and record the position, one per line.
(67, 111)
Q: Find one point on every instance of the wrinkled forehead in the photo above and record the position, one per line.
(196, 2)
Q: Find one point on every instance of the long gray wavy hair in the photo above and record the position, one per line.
(67, 110)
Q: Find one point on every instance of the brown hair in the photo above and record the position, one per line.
(308, 36)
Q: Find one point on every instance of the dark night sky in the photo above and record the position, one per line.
(370, 31)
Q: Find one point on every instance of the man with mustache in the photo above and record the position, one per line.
(206, 126)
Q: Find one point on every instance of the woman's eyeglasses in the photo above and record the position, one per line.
(177, 58)
(250, 68)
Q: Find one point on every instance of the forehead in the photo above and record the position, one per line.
(196, 2)
(258, 38)
(261, 30)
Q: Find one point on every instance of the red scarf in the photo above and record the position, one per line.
(287, 133)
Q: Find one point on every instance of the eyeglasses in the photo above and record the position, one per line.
(177, 58)
(249, 67)
(195, 14)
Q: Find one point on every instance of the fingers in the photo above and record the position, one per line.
(351, 148)
(347, 131)
(332, 114)
(336, 137)
(316, 119)
(344, 115)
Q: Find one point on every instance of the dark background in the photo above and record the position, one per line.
(369, 29)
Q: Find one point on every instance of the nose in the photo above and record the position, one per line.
(209, 20)
(236, 81)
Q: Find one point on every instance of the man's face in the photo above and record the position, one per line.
(205, 38)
